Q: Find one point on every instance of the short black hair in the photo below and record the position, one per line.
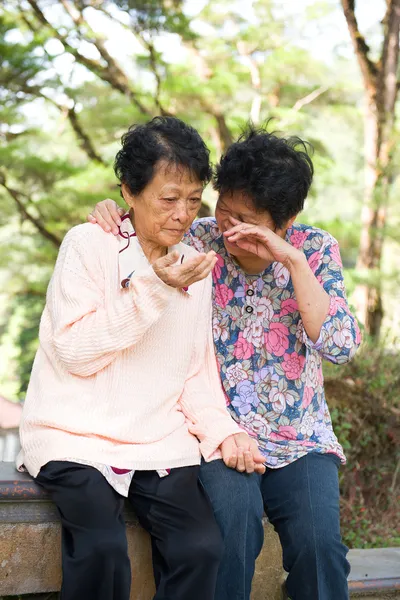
(274, 172)
(162, 139)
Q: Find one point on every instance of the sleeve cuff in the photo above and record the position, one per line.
(211, 441)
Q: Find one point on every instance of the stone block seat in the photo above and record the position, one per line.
(30, 561)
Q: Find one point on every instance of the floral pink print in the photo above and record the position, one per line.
(335, 254)
(243, 349)
(276, 339)
(288, 306)
(270, 370)
(315, 261)
(293, 365)
(223, 294)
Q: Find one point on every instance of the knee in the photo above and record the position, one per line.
(319, 548)
(234, 496)
(106, 546)
(200, 548)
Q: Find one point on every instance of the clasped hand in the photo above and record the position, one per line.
(241, 452)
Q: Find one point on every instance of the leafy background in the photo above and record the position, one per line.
(75, 74)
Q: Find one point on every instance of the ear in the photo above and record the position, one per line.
(290, 222)
(127, 195)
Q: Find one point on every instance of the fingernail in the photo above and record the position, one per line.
(108, 228)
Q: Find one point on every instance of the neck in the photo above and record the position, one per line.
(151, 250)
(252, 265)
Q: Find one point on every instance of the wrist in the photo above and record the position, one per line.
(296, 261)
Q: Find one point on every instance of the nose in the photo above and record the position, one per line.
(181, 213)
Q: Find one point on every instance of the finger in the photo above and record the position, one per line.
(109, 211)
(189, 271)
(203, 270)
(256, 454)
(91, 218)
(248, 462)
(167, 261)
(234, 221)
(231, 460)
(246, 232)
(103, 223)
(259, 469)
(240, 465)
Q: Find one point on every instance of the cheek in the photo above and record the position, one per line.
(222, 221)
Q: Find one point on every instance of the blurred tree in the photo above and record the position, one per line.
(76, 73)
(381, 86)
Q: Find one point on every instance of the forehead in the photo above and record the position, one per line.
(241, 205)
(174, 177)
(237, 201)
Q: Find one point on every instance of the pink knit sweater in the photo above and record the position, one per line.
(120, 374)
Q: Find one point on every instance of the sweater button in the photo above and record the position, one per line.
(250, 292)
(249, 309)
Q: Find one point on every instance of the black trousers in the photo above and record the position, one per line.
(186, 541)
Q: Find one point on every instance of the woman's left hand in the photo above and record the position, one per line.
(262, 242)
(240, 452)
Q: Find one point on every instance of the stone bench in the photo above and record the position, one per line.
(30, 560)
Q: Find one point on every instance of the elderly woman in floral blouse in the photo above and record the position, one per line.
(279, 309)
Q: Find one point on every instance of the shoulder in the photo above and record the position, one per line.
(205, 235)
(310, 239)
(206, 226)
(88, 238)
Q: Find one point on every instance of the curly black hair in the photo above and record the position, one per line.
(274, 172)
(162, 139)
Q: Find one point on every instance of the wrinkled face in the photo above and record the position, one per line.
(240, 206)
(167, 206)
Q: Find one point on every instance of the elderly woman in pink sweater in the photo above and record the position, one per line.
(125, 384)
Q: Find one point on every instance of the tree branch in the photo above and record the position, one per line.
(24, 212)
(390, 55)
(83, 139)
(298, 105)
(254, 70)
(368, 68)
(70, 113)
(111, 73)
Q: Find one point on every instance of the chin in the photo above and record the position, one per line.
(170, 239)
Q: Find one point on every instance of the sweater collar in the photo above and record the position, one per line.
(131, 257)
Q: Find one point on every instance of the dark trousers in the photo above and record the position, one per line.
(301, 501)
(186, 541)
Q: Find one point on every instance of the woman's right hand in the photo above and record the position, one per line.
(108, 215)
(184, 274)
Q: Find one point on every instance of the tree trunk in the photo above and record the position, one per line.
(380, 84)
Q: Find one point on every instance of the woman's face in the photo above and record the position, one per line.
(240, 207)
(167, 206)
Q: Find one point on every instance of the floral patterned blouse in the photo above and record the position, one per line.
(271, 371)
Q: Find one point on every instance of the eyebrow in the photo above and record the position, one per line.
(173, 188)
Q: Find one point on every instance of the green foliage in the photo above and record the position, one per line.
(364, 397)
(71, 88)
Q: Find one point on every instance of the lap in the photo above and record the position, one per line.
(303, 497)
(81, 494)
(231, 492)
(175, 504)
